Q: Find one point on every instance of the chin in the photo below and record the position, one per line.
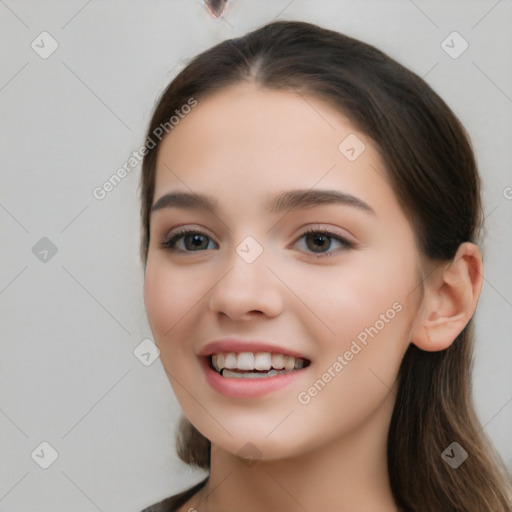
(259, 447)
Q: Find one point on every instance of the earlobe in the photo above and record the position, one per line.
(450, 298)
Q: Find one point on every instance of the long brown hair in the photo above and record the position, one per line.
(431, 167)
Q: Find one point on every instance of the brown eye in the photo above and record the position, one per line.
(193, 241)
(319, 241)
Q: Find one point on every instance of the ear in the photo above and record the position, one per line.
(451, 295)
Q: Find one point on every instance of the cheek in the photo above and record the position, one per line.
(369, 310)
(356, 372)
(355, 297)
(168, 296)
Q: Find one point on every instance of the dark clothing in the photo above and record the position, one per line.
(172, 503)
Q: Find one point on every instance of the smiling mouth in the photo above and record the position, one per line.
(258, 365)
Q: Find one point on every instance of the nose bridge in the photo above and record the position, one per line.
(249, 250)
(247, 264)
(247, 285)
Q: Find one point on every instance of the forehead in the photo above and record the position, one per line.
(242, 120)
(249, 141)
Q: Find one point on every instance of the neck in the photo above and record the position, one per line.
(348, 474)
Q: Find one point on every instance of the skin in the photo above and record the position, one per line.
(241, 145)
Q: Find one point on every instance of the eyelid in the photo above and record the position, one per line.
(340, 232)
(187, 227)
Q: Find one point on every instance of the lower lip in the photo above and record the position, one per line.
(248, 388)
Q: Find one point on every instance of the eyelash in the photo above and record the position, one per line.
(170, 243)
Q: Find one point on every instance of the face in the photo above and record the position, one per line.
(343, 296)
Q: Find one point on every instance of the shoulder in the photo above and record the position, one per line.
(172, 503)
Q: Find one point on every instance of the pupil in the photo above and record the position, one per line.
(320, 237)
(196, 240)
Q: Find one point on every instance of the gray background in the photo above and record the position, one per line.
(71, 323)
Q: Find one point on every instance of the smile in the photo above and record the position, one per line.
(251, 374)
(254, 365)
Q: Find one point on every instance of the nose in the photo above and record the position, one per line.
(246, 289)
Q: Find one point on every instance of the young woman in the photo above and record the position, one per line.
(311, 212)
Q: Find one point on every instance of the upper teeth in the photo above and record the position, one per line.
(255, 361)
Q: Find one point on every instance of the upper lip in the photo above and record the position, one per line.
(238, 345)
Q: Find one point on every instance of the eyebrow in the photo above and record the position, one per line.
(282, 202)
